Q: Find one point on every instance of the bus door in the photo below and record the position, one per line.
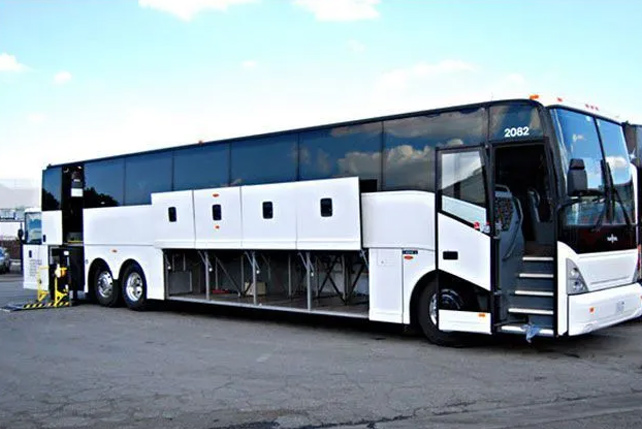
(34, 254)
(463, 240)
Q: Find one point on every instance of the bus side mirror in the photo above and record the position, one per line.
(21, 234)
(577, 180)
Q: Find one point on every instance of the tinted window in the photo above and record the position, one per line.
(615, 150)
(216, 212)
(463, 186)
(171, 214)
(614, 145)
(145, 174)
(638, 132)
(409, 144)
(33, 228)
(342, 152)
(104, 183)
(578, 139)
(268, 210)
(631, 144)
(513, 121)
(266, 160)
(51, 188)
(201, 167)
(326, 207)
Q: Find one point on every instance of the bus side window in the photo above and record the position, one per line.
(171, 214)
(268, 210)
(216, 212)
(326, 207)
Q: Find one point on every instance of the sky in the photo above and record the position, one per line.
(91, 78)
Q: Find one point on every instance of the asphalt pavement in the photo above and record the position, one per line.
(184, 366)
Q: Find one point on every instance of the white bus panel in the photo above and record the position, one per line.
(217, 218)
(399, 219)
(112, 226)
(173, 219)
(35, 266)
(386, 297)
(328, 214)
(149, 258)
(472, 262)
(52, 228)
(269, 216)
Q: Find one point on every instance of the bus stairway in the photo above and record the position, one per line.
(531, 304)
(61, 297)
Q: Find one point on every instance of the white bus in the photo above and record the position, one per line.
(513, 216)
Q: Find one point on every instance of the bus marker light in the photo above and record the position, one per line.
(217, 227)
(592, 310)
(481, 315)
(534, 97)
(114, 251)
(476, 226)
(215, 195)
(408, 257)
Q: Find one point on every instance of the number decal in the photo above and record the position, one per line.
(516, 132)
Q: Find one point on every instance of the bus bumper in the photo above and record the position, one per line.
(595, 310)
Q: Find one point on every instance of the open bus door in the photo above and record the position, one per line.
(463, 242)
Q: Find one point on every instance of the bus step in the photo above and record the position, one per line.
(543, 293)
(536, 276)
(531, 311)
(537, 259)
(521, 329)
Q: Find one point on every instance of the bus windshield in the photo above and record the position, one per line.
(33, 228)
(593, 140)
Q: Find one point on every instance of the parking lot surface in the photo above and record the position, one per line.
(202, 367)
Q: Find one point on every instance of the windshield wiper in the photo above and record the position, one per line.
(616, 197)
(608, 200)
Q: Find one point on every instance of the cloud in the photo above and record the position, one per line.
(340, 10)
(9, 63)
(516, 79)
(187, 9)
(356, 46)
(36, 118)
(62, 77)
(401, 77)
(249, 64)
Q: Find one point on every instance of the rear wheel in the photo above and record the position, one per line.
(105, 287)
(135, 287)
(429, 302)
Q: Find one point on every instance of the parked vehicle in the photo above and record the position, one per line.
(513, 216)
(5, 261)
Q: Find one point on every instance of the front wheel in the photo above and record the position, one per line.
(135, 288)
(429, 303)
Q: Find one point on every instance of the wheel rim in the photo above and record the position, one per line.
(105, 284)
(449, 300)
(134, 287)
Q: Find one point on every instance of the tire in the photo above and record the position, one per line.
(106, 288)
(451, 300)
(134, 288)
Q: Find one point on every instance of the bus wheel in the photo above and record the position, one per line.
(134, 287)
(105, 287)
(449, 299)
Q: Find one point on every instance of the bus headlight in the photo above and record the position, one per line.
(575, 283)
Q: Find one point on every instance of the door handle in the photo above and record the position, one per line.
(450, 255)
(30, 254)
